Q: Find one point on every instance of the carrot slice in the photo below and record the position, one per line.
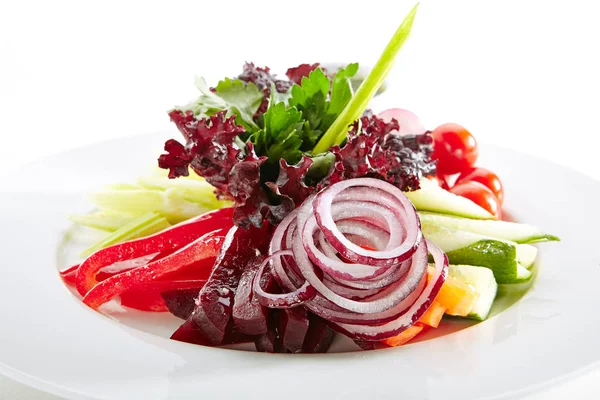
(434, 315)
(404, 337)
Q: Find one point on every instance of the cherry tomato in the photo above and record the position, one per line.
(486, 178)
(479, 194)
(454, 147)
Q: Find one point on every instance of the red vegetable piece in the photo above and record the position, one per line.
(270, 342)
(486, 178)
(234, 336)
(454, 148)
(148, 297)
(368, 345)
(249, 316)
(293, 325)
(479, 194)
(166, 241)
(69, 275)
(199, 270)
(181, 303)
(215, 302)
(143, 300)
(318, 337)
(204, 247)
(189, 332)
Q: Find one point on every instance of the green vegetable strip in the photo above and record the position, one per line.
(145, 225)
(337, 131)
(101, 220)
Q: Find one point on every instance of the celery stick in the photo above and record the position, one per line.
(145, 225)
(358, 104)
(195, 191)
(101, 220)
(170, 203)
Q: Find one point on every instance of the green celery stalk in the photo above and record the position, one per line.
(101, 220)
(192, 190)
(145, 225)
(358, 104)
(171, 203)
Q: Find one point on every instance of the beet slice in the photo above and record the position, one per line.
(181, 303)
(368, 345)
(293, 325)
(319, 336)
(190, 333)
(234, 336)
(270, 342)
(215, 301)
(249, 316)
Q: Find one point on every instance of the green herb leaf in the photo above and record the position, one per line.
(237, 97)
(243, 100)
(353, 110)
(207, 104)
(318, 109)
(279, 138)
(341, 90)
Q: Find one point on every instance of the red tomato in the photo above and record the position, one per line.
(486, 178)
(479, 194)
(454, 147)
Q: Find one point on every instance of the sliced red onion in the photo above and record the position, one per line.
(354, 255)
(284, 300)
(415, 312)
(409, 123)
(410, 223)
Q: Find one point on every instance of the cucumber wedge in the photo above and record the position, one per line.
(519, 233)
(523, 274)
(433, 198)
(483, 281)
(473, 249)
(500, 257)
(526, 254)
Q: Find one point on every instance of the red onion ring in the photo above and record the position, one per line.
(406, 211)
(285, 300)
(367, 293)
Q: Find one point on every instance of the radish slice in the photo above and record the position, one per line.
(409, 123)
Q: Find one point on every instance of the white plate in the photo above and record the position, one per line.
(52, 342)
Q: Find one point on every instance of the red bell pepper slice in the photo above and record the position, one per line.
(69, 275)
(169, 240)
(207, 246)
(148, 297)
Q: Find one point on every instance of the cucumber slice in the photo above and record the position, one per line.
(526, 254)
(483, 281)
(433, 198)
(501, 256)
(519, 233)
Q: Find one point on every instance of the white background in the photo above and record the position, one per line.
(522, 74)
